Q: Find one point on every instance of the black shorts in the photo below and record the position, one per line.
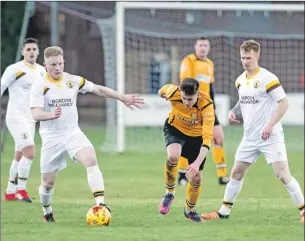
(190, 145)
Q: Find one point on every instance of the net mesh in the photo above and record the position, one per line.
(157, 40)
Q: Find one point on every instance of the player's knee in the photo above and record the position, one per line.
(237, 174)
(48, 184)
(196, 179)
(283, 176)
(172, 158)
(29, 152)
(18, 155)
(90, 161)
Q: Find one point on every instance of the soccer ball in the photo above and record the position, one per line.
(98, 216)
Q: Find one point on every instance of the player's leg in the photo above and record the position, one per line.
(173, 142)
(81, 149)
(182, 169)
(23, 134)
(191, 151)
(246, 154)
(10, 194)
(52, 160)
(46, 191)
(218, 152)
(87, 156)
(24, 168)
(274, 150)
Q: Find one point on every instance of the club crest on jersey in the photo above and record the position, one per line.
(256, 84)
(24, 135)
(194, 116)
(70, 84)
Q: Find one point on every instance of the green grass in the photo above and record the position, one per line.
(134, 187)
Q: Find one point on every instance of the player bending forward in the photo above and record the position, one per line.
(263, 103)
(188, 133)
(53, 103)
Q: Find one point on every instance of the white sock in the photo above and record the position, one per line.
(96, 183)
(23, 172)
(46, 199)
(232, 190)
(166, 191)
(13, 170)
(295, 192)
(11, 185)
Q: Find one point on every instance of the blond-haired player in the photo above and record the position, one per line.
(53, 103)
(19, 78)
(263, 103)
(198, 66)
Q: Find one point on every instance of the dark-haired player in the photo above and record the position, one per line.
(19, 78)
(188, 133)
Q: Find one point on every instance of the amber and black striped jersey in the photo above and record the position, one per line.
(258, 97)
(201, 70)
(195, 121)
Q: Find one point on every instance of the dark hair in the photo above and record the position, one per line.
(30, 41)
(189, 86)
(202, 38)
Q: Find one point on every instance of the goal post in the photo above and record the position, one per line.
(121, 27)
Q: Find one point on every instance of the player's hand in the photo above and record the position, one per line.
(232, 117)
(266, 132)
(193, 170)
(57, 113)
(132, 101)
(218, 135)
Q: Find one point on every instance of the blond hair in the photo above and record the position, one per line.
(53, 51)
(249, 45)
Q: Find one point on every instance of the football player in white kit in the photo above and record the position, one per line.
(19, 78)
(53, 103)
(262, 104)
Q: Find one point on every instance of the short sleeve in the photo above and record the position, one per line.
(8, 77)
(273, 87)
(169, 90)
(85, 86)
(37, 95)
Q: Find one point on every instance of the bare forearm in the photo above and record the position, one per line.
(236, 109)
(107, 92)
(279, 112)
(42, 116)
(202, 154)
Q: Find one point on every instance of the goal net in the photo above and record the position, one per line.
(144, 44)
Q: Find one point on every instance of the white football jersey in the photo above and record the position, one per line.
(19, 78)
(258, 97)
(52, 94)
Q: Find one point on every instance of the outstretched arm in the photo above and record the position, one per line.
(128, 100)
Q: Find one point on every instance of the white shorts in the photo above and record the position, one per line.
(54, 151)
(22, 132)
(274, 149)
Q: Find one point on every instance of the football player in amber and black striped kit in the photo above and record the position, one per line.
(188, 133)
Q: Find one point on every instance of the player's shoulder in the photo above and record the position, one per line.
(172, 91)
(209, 61)
(203, 100)
(190, 57)
(268, 75)
(73, 77)
(15, 67)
